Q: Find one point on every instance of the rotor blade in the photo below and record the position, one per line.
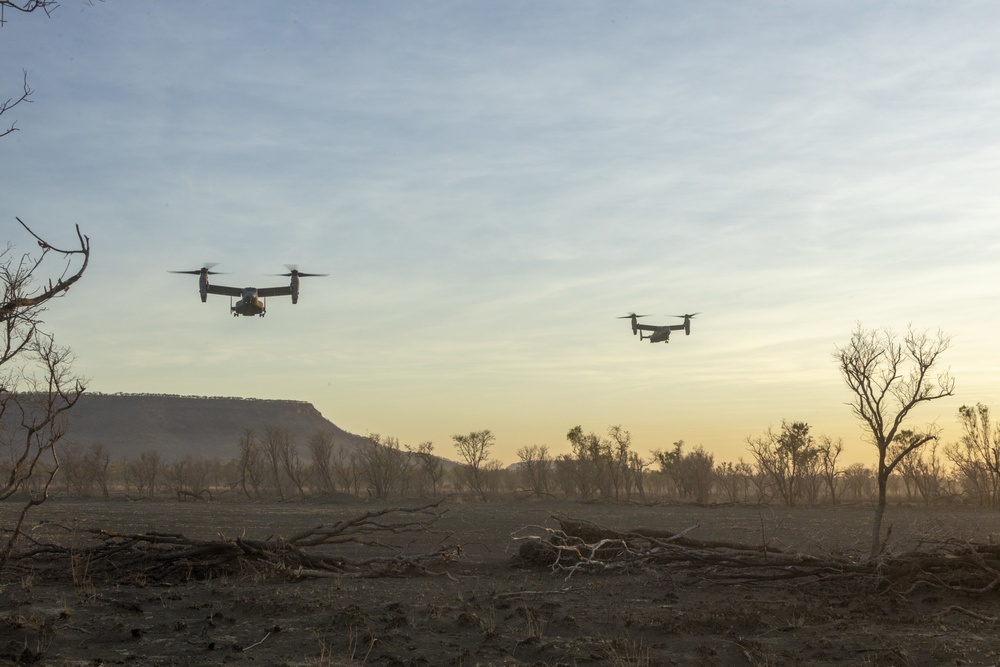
(687, 316)
(299, 274)
(204, 267)
(197, 272)
(630, 316)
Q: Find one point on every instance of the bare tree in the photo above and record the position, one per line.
(474, 448)
(383, 465)
(829, 451)
(429, 470)
(922, 469)
(638, 467)
(734, 480)
(347, 471)
(99, 462)
(321, 451)
(82, 468)
(859, 482)
(535, 468)
(252, 470)
(190, 478)
(282, 460)
(74, 470)
(37, 385)
(146, 472)
(495, 477)
(281, 457)
(977, 455)
(291, 463)
(888, 379)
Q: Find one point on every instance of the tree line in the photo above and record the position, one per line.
(787, 466)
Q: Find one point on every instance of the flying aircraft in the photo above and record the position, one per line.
(252, 300)
(660, 334)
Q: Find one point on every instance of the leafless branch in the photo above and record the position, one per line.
(18, 299)
(11, 102)
(29, 6)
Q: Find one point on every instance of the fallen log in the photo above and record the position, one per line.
(583, 547)
(108, 555)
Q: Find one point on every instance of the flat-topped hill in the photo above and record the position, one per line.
(207, 427)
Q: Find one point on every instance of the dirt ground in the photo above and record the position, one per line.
(485, 609)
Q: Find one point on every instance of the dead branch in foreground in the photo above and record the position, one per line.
(583, 547)
(106, 555)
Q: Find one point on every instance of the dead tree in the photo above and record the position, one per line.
(379, 543)
(251, 464)
(429, 468)
(321, 446)
(275, 446)
(535, 468)
(36, 381)
(474, 448)
(976, 455)
(829, 451)
(581, 547)
(888, 379)
(383, 464)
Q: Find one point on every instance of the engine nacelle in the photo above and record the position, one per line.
(203, 285)
(295, 286)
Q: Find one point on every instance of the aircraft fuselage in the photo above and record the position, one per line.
(249, 304)
(660, 336)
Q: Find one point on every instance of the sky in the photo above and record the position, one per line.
(489, 185)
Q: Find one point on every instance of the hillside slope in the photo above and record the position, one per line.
(129, 424)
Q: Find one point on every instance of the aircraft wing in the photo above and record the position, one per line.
(675, 327)
(227, 291)
(647, 327)
(274, 291)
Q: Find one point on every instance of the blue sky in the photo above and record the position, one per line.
(490, 184)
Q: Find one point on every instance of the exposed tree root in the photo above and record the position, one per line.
(363, 546)
(584, 547)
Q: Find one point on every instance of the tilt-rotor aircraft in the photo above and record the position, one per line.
(659, 334)
(252, 300)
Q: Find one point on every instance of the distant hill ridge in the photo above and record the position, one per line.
(207, 427)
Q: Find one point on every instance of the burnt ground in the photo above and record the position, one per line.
(486, 608)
